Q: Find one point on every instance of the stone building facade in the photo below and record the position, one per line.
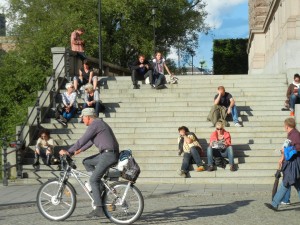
(274, 39)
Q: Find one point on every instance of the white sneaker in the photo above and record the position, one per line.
(285, 203)
(237, 125)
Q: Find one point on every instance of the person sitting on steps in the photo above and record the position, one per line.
(292, 94)
(220, 146)
(141, 69)
(64, 113)
(44, 148)
(86, 75)
(226, 100)
(159, 64)
(92, 99)
(189, 145)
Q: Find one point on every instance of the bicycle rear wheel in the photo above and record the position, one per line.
(53, 206)
(132, 207)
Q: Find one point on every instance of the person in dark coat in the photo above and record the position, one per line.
(290, 168)
(141, 69)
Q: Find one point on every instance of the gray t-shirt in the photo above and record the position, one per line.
(98, 133)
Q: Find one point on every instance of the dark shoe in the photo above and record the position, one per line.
(162, 86)
(61, 122)
(210, 168)
(271, 207)
(98, 212)
(135, 86)
(232, 168)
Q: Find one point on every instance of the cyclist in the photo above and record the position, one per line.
(101, 135)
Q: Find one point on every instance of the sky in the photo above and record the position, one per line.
(228, 18)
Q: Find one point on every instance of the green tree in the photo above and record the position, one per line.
(230, 56)
(127, 30)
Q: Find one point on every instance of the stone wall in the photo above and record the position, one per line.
(258, 11)
(274, 40)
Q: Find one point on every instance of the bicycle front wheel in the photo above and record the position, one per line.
(54, 204)
(125, 212)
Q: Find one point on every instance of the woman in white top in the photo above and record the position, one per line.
(44, 148)
(69, 101)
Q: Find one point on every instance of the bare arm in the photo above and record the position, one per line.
(217, 100)
(167, 69)
(91, 76)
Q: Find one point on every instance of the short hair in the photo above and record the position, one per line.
(221, 88)
(296, 76)
(86, 62)
(141, 55)
(81, 29)
(44, 131)
(183, 128)
(220, 124)
(68, 85)
(290, 122)
(89, 87)
(158, 53)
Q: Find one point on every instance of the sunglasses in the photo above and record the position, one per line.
(219, 128)
(71, 87)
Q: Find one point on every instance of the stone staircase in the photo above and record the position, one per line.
(146, 121)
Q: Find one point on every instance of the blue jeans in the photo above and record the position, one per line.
(228, 153)
(286, 198)
(293, 100)
(70, 114)
(235, 114)
(96, 106)
(98, 164)
(186, 161)
(281, 193)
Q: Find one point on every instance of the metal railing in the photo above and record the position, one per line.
(21, 136)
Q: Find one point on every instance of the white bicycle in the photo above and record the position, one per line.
(123, 203)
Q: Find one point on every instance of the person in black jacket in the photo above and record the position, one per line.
(141, 69)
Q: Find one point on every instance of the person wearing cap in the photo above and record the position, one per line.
(101, 135)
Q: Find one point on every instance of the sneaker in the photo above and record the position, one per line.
(285, 203)
(181, 173)
(162, 86)
(292, 113)
(98, 212)
(200, 169)
(210, 168)
(61, 122)
(237, 125)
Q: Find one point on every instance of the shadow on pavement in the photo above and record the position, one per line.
(184, 213)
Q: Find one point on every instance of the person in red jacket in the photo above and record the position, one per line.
(220, 146)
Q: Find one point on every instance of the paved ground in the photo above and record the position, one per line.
(165, 204)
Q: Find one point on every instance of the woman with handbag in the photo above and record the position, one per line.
(289, 163)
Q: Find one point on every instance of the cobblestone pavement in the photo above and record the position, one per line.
(214, 208)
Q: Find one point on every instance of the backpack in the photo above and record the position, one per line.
(132, 170)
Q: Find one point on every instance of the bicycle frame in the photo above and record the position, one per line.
(70, 172)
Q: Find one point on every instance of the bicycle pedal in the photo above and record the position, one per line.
(111, 208)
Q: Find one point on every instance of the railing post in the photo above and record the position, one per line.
(53, 89)
(67, 60)
(5, 166)
(38, 112)
(20, 144)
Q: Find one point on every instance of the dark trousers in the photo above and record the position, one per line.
(96, 106)
(98, 164)
(159, 79)
(136, 76)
